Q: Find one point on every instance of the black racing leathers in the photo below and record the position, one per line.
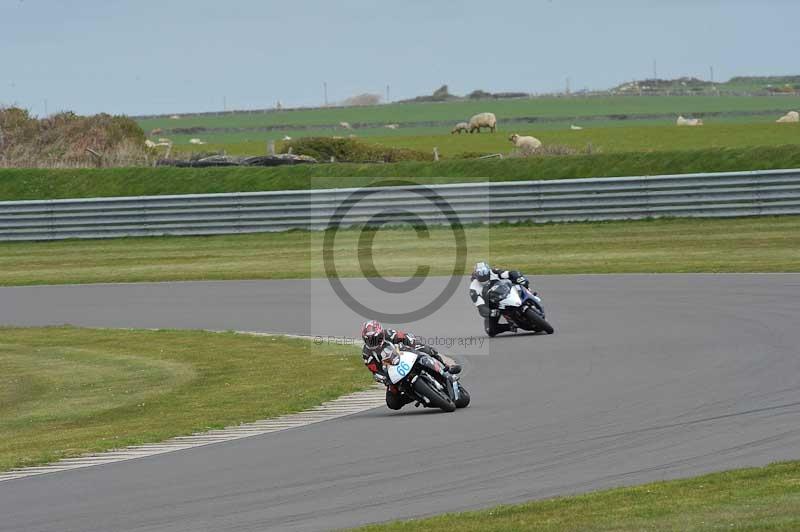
(372, 359)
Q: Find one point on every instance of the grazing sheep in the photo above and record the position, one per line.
(461, 126)
(150, 144)
(573, 127)
(791, 116)
(163, 139)
(526, 144)
(345, 125)
(483, 120)
(196, 141)
(392, 126)
(175, 117)
(287, 137)
(681, 121)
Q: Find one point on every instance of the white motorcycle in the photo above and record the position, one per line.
(424, 379)
(518, 305)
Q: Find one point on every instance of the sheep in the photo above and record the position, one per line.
(196, 141)
(175, 117)
(573, 127)
(791, 116)
(150, 144)
(163, 139)
(526, 144)
(483, 120)
(461, 126)
(681, 121)
(287, 137)
(392, 126)
(345, 125)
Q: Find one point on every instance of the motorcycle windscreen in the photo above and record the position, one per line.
(495, 293)
(404, 363)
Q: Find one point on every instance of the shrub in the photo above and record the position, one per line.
(363, 99)
(65, 139)
(352, 151)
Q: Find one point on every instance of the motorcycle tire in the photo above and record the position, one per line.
(463, 397)
(437, 399)
(538, 322)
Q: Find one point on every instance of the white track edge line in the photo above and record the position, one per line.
(345, 405)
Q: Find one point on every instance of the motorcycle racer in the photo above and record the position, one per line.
(376, 338)
(482, 276)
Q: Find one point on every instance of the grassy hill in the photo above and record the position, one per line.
(23, 183)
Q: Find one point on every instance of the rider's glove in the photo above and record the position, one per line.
(522, 280)
(379, 378)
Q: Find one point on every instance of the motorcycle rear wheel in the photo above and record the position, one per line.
(437, 399)
(463, 397)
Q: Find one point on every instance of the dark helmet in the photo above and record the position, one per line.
(482, 272)
(372, 333)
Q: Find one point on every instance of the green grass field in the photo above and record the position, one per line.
(634, 138)
(762, 244)
(66, 391)
(33, 183)
(549, 107)
(229, 139)
(764, 499)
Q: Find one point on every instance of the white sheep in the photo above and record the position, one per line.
(791, 116)
(525, 144)
(573, 127)
(681, 121)
(175, 117)
(150, 144)
(461, 126)
(392, 126)
(196, 141)
(345, 125)
(483, 120)
(287, 137)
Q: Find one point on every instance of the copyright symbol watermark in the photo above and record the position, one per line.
(395, 202)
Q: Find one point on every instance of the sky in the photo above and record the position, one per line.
(174, 56)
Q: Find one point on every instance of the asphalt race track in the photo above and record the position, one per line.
(647, 377)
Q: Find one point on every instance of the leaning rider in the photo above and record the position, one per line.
(376, 338)
(482, 276)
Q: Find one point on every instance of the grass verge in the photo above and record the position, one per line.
(66, 391)
(758, 244)
(766, 498)
(31, 183)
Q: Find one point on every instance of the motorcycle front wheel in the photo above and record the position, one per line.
(437, 398)
(538, 322)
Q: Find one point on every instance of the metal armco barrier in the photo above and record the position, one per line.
(702, 195)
